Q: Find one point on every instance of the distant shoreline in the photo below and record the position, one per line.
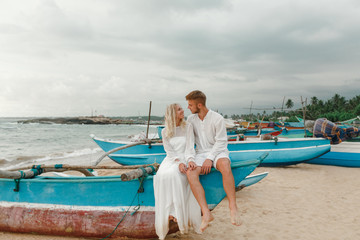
(89, 120)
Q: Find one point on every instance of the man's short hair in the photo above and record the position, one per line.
(198, 96)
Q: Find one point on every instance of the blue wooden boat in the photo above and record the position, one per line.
(281, 151)
(94, 206)
(345, 154)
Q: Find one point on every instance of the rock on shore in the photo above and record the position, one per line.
(77, 120)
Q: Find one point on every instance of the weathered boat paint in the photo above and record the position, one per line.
(63, 220)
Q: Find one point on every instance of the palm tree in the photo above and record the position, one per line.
(289, 103)
(314, 100)
(338, 101)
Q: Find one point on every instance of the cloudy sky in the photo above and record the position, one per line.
(71, 58)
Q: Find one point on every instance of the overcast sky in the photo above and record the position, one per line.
(71, 58)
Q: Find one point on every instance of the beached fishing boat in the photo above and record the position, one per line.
(256, 125)
(281, 151)
(290, 125)
(94, 206)
(345, 154)
(281, 132)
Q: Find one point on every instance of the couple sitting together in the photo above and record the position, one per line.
(179, 195)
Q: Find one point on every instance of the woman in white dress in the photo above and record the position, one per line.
(173, 197)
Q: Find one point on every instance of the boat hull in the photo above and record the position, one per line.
(345, 154)
(341, 159)
(71, 221)
(93, 206)
(281, 152)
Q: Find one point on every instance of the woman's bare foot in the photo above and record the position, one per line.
(234, 217)
(172, 218)
(206, 219)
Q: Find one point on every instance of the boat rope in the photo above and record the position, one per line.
(17, 185)
(58, 166)
(142, 178)
(37, 170)
(137, 207)
(127, 211)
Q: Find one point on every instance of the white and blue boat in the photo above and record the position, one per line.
(281, 151)
(94, 206)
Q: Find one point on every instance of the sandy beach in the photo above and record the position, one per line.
(297, 202)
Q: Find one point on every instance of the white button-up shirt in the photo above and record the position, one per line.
(210, 134)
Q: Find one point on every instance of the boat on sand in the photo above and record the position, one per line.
(94, 206)
(282, 151)
(345, 154)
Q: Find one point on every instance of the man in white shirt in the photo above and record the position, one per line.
(211, 151)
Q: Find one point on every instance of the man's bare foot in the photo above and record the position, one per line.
(206, 219)
(234, 217)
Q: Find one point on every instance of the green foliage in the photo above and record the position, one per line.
(292, 119)
(331, 116)
(334, 109)
(357, 110)
(235, 117)
(266, 118)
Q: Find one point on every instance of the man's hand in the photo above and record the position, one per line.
(192, 165)
(182, 168)
(206, 167)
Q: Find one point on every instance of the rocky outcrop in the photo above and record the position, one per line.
(77, 120)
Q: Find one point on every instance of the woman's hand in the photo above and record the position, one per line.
(182, 168)
(192, 165)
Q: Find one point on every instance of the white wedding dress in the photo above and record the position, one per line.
(173, 195)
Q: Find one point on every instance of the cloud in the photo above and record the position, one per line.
(68, 57)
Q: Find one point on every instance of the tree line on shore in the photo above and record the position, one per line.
(335, 109)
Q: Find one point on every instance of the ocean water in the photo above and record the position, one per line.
(34, 143)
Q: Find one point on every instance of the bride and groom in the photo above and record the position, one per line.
(179, 195)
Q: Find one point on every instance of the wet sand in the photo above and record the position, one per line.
(297, 202)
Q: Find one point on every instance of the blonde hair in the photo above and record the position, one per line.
(170, 120)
